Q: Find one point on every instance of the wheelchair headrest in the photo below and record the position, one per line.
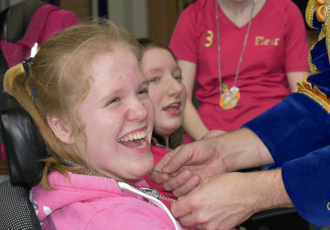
(24, 148)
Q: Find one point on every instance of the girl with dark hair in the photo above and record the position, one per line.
(168, 95)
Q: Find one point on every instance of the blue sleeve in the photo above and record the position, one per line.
(306, 181)
(299, 124)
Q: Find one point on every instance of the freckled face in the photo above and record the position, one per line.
(118, 116)
(166, 89)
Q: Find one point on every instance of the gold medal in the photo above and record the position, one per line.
(230, 98)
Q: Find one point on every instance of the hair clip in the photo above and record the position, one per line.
(29, 61)
(26, 65)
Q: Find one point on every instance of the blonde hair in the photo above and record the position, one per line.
(61, 80)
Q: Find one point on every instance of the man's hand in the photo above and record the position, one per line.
(219, 202)
(189, 164)
(203, 158)
(225, 201)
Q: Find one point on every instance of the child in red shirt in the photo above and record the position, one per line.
(274, 59)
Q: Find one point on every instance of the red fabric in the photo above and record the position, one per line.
(47, 21)
(158, 153)
(262, 79)
(2, 153)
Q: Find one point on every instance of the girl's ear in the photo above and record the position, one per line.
(61, 130)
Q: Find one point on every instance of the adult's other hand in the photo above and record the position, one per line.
(225, 201)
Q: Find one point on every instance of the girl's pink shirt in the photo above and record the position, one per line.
(90, 202)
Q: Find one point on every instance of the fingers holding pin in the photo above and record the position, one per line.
(156, 172)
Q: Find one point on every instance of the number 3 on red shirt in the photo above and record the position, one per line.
(209, 38)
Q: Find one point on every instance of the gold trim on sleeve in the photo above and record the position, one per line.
(312, 67)
(305, 79)
(326, 26)
(310, 13)
(314, 93)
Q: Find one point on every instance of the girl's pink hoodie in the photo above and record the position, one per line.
(91, 202)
